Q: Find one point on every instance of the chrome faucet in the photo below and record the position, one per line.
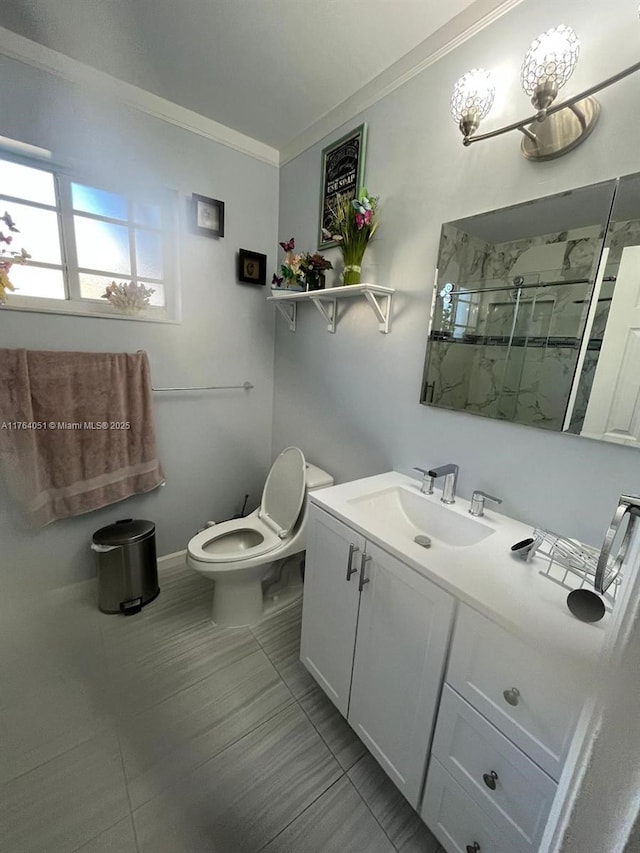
(477, 502)
(426, 486)
(450, 474)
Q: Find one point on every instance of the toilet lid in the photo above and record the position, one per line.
(284, 491)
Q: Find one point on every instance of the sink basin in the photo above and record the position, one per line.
(409, 514)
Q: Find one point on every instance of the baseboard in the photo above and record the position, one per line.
(172, 561)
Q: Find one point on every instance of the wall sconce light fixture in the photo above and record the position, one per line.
(555, 129)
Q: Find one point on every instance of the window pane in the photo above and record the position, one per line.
(93, 286)
(36, 281)
(25, 182)
(102, 245)
(157, 297)
(100, 202)
(38, 232)
(149, 254)
(147, 214)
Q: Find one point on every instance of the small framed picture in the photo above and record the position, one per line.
(252, 267)
(208, 216)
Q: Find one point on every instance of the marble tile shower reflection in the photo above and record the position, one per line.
(505, 353)
(526, 384)
(163, 733)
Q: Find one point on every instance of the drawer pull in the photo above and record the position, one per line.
(475, 848)
(512, 696)
(490, 779)
(352, 550)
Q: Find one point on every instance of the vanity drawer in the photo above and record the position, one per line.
(457, 821)
(523, 692)
(508, 785)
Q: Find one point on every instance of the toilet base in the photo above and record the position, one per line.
(279, 601)
(236, 604)
(240, 605)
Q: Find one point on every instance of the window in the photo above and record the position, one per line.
(81, 238)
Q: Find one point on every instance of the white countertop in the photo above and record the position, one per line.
(486, 576)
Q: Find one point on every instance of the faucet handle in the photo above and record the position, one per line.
(426, 488)
(477, 502)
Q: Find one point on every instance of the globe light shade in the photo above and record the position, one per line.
(472, 99)
(548, 64)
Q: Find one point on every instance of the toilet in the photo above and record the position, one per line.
(246, 556)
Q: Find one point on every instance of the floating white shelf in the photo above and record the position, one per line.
(379, 298)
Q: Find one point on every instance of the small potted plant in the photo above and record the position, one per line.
(314, 267)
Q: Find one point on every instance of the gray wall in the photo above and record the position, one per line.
(214, 446)
(351, 399)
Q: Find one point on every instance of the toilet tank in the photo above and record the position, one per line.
(316, 478)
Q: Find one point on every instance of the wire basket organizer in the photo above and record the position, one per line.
(573, 565)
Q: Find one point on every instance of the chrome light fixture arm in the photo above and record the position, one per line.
(554, 129)
(542, 114)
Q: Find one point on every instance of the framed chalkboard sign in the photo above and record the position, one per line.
(342, 174)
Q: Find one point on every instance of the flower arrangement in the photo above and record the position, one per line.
(8, 258)
(298, 268)
(353, 224)
(315, 263)
(314, 267)
(290, 270)
(128, 297)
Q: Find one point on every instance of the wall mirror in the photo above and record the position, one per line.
(536, 314)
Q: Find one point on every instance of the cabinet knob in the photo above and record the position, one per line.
(363, 564)
(473, 848)
(490, 779)
(512, 696)
(351, 571)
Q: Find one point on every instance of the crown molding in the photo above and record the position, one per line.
(460, 29)
(44, 58)
(454, 33)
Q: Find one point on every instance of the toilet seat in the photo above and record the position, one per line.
(282, 499)
(220, 532)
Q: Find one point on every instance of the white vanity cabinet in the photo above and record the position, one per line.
(505, 723)
(375, 635)
(518, 665)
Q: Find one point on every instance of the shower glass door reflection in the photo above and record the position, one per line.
(511, 302)
(508, 351)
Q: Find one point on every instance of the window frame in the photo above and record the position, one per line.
(74, 303)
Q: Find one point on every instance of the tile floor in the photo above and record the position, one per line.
(160, 733)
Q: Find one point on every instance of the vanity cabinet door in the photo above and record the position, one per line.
(330, 605)
(403, 633)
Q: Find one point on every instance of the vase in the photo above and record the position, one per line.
(315, 280)
(352, 274)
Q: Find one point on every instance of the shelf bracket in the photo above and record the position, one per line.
(329, 312)
(383, 315)
(288, 311)
(326, 301)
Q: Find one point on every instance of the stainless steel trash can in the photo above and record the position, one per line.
(127, 565)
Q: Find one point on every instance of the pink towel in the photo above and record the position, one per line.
(76, 430)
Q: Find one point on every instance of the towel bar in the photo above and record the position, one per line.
(246, 385)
